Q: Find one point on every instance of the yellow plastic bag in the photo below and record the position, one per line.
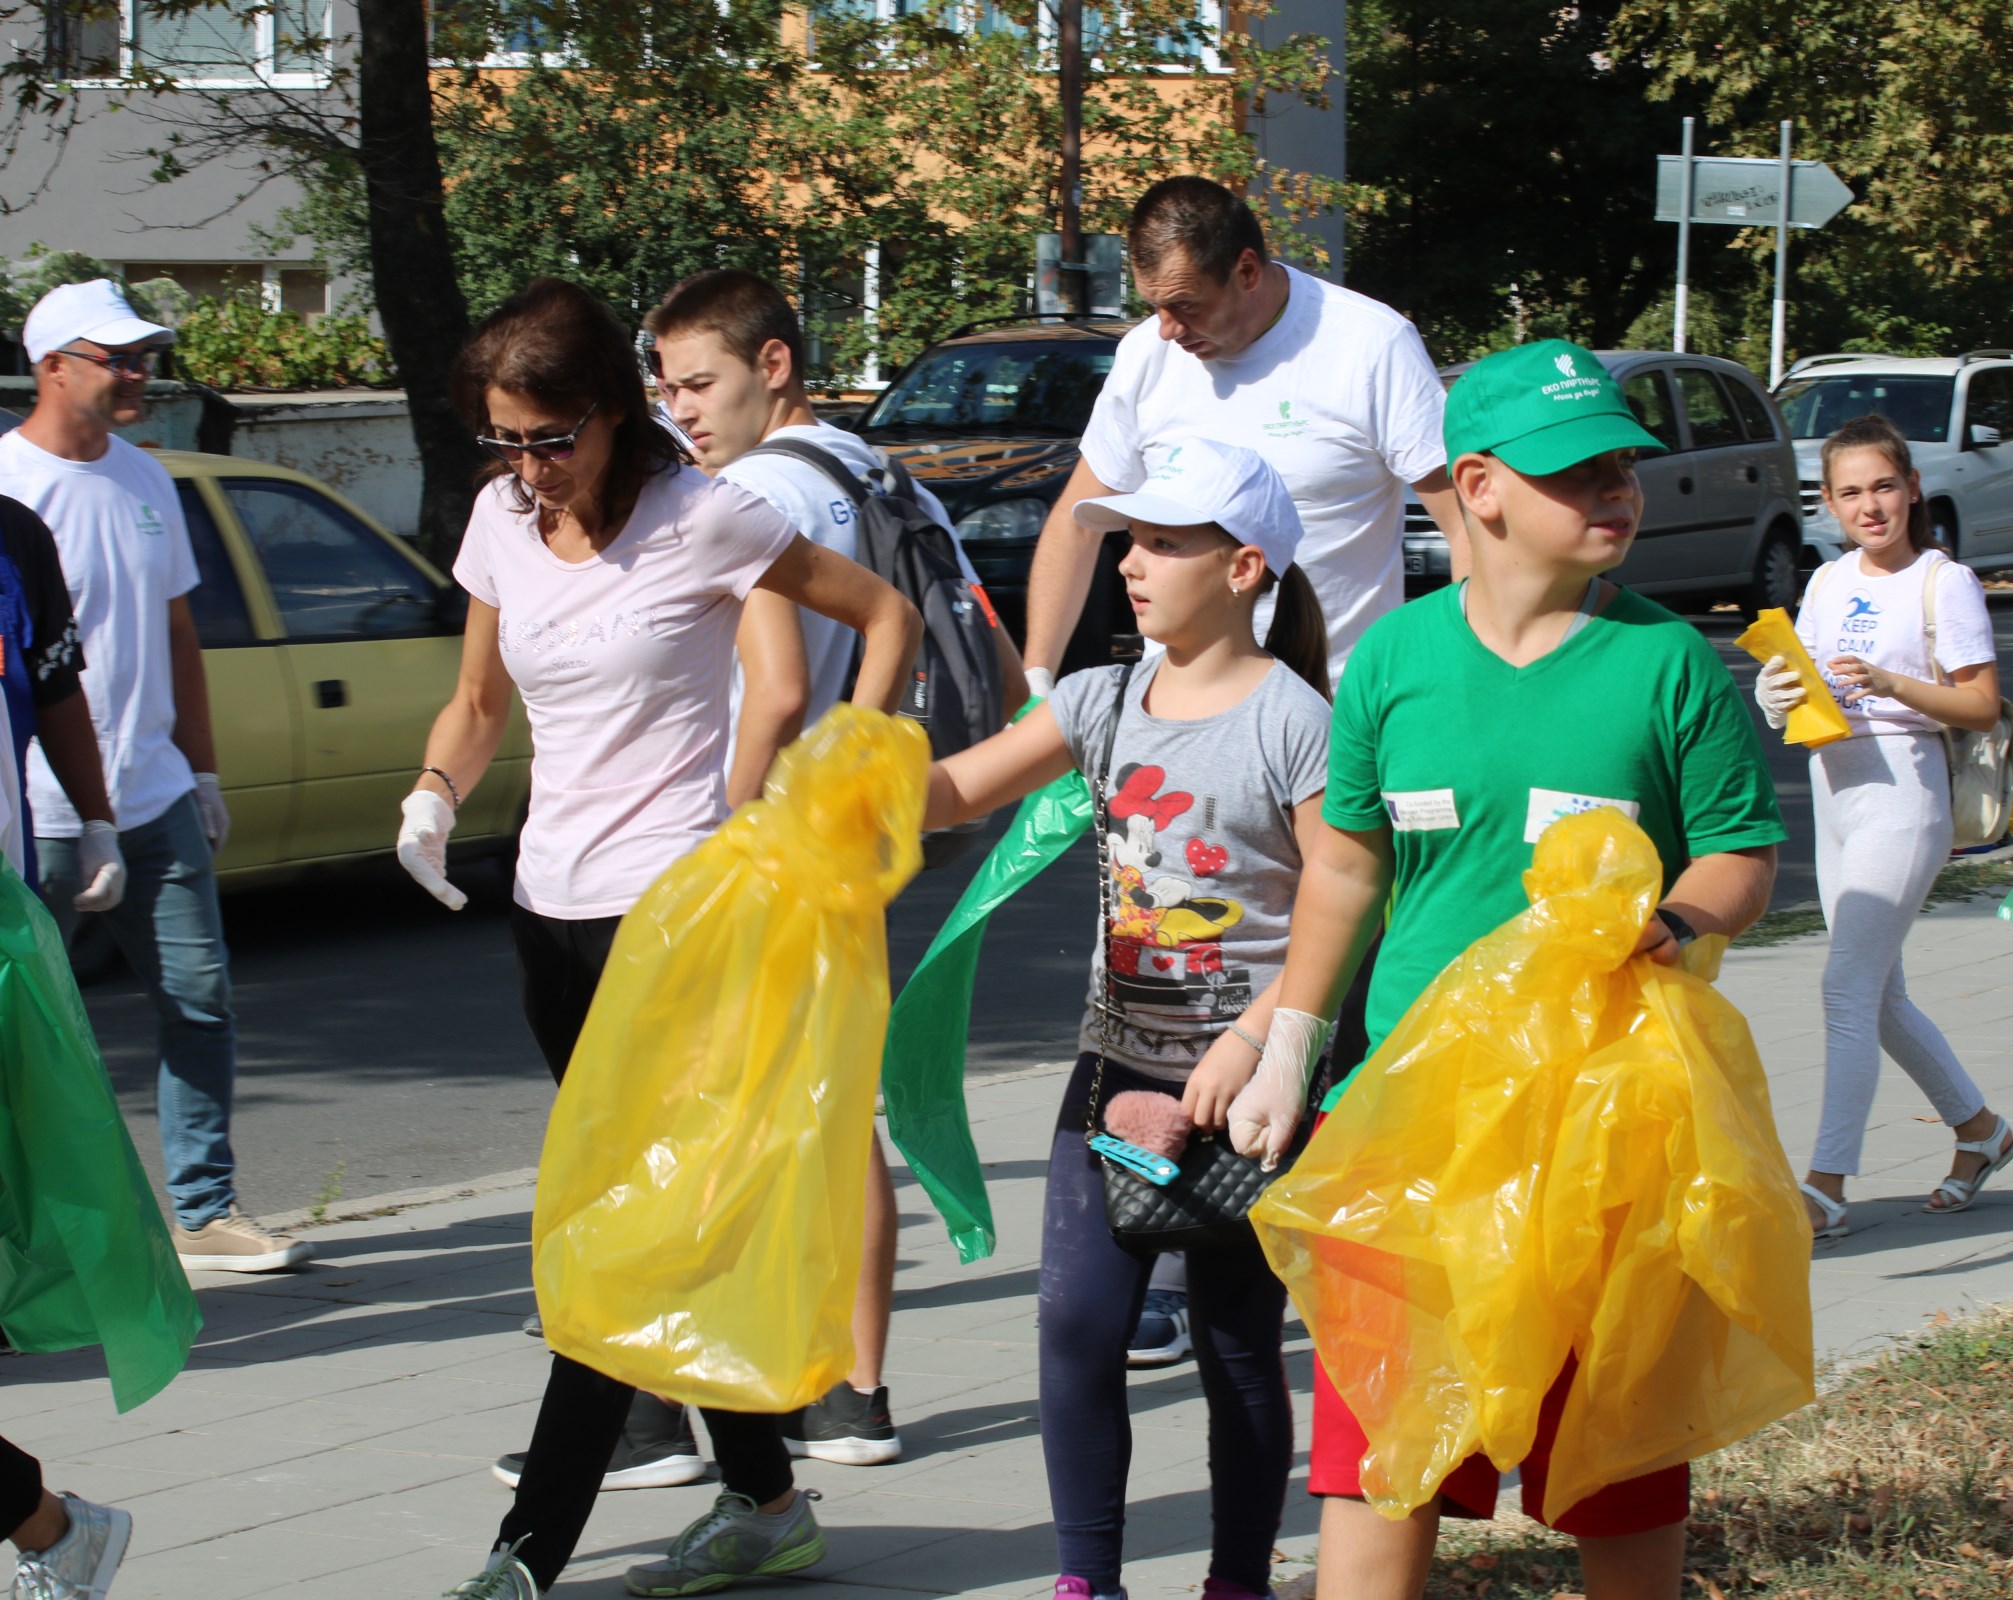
(1818, 721)
(1559, 1150)
(703, 1186)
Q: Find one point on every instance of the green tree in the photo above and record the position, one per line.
(1908, 101)
(1502, 158)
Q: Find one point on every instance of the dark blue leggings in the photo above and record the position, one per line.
(1091, 1293)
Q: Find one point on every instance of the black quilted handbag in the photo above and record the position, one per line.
(1208, 1201)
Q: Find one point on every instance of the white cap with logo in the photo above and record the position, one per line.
(96, 311)
(1200, 480)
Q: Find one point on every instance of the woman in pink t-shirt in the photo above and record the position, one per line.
(606, 578)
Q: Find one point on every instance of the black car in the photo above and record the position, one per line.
(989, 420)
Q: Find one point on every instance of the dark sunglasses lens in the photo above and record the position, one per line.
(500, 450)
(560, 451)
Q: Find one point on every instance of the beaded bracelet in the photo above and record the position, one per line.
(453, 793)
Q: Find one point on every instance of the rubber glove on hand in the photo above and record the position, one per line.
(1777, 690)
(1040, 682)
(1265, 1113)
(211, 808)
(101, 866)
(422, 845)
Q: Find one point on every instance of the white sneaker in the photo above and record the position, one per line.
(78, 1566)
(235, 1243)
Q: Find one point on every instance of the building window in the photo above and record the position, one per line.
(81, 38)
(279, 44)
(499, 33)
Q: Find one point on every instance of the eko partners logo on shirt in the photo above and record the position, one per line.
(150, 520)
(1288, 426)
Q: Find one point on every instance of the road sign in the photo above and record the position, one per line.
(1746, 192)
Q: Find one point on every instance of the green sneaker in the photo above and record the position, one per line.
(504, 1578)
(734, 1541)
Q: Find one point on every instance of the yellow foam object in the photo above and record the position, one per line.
(1818, 721)
(701, 1196)
(1561, 1149)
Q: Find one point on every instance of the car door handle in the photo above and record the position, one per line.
(330, 693)
(1684, 486)
(1753, 476)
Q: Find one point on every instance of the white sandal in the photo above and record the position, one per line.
(1833, 1212)
(1960, 1192)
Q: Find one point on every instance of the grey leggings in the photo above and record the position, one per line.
(1882, 806)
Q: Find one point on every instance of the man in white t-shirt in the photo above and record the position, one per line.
(1334, 389)
(129, 567)
(729, 359)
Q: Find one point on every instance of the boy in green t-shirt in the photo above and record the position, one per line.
(1466, 723)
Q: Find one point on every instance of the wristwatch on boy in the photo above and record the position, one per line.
(1681, 930)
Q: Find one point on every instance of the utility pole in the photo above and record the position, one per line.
(1075, 275)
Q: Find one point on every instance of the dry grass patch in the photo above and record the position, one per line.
(1897, 1484)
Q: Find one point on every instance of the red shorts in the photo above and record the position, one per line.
(1634, 1505)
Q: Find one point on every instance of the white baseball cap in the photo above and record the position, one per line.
(1199, 480)
(96, 311)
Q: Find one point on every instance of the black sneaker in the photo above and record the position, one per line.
(1161, 1338)
(846, 1426)
(656, 1451)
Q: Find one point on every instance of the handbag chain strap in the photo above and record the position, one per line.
(1107, 1005)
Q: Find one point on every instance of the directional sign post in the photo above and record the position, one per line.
(1746, 192)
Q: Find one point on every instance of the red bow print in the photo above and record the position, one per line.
(1136, 798)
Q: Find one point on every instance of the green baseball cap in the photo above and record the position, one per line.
(1542, 408)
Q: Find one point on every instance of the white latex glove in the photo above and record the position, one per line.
(422, 845)
(1040, 682)
(211, 808)
(1778, 691)
(1264, 1115)
(101, 866)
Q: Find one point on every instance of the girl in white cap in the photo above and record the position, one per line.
(1209, 760)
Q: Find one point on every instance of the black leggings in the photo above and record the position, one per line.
(580, 1420)
(20, 1488)
(1091, 1293)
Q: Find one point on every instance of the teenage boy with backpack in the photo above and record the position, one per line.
(729, 361)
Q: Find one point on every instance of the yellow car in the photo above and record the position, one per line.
(330, 646)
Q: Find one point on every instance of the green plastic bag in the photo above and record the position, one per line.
(923, 1067)
(84, 1255)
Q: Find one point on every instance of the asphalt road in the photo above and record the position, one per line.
(381, 1047)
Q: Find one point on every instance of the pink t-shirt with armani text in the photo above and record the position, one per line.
(624, 663)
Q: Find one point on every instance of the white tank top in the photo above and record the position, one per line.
(1847, 611)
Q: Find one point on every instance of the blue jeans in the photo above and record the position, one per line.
(172, 935)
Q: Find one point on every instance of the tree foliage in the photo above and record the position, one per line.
(1911, 102)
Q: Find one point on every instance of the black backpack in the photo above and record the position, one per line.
(955, 691)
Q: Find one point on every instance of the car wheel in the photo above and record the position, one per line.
(94, 953)
(1777, 582)
(1943, 525)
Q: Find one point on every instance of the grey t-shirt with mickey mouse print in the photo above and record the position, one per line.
(1204, 861)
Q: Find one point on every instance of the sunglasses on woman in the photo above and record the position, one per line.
(557, 448)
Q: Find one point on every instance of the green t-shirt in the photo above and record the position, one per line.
(1467, 758)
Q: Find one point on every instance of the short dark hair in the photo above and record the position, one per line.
(744, 308)
(556, 343)
(1203, 220)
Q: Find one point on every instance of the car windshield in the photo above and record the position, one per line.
(1043, 388)
(1919, 407)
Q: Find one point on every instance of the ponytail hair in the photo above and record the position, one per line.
(1298, 635)
(1875, 432)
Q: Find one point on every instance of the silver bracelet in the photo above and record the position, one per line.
(453, 792)
(1256, 1044)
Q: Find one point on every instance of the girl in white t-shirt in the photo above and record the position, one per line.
(1882, 799)
(606, 578)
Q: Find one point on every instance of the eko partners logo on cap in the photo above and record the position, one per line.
(1541, 408)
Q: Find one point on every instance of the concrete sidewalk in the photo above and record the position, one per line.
(333, 1432)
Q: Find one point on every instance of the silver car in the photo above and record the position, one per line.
(1721, 518)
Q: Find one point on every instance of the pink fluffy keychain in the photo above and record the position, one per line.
(1152, 1121)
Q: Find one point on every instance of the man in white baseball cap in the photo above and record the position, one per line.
(129, 567)
(93, 313)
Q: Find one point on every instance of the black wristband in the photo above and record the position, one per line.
(1680, 929)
